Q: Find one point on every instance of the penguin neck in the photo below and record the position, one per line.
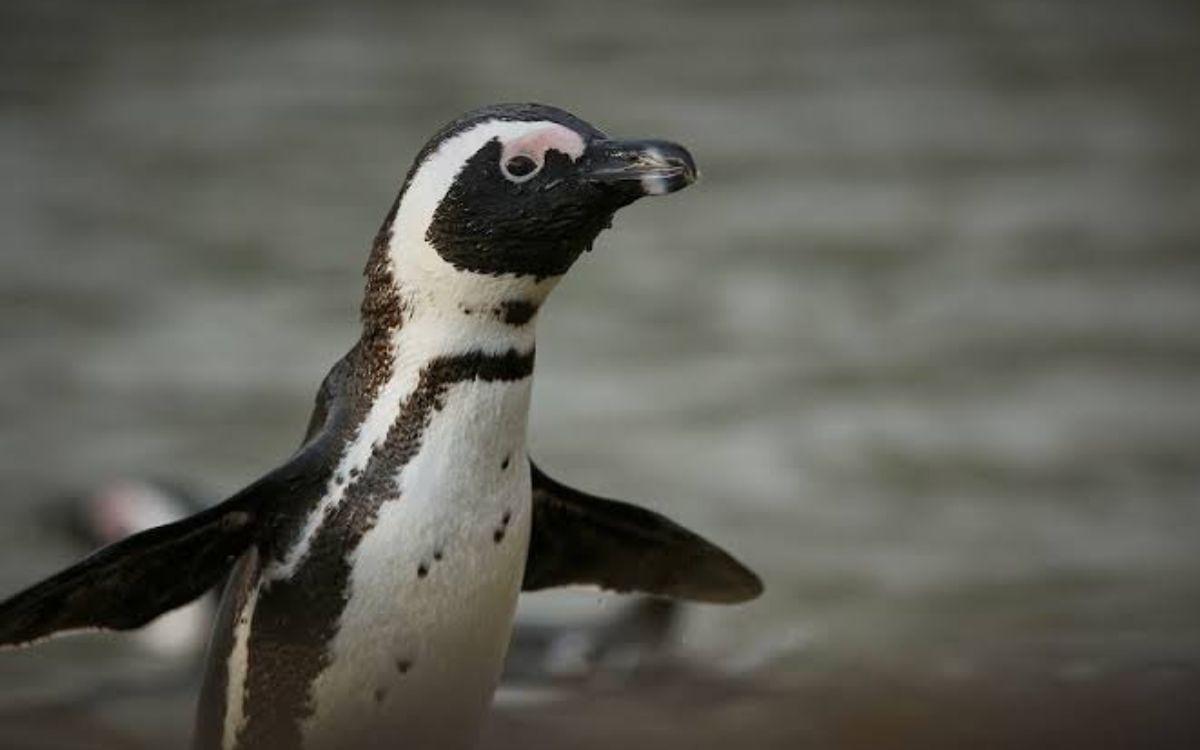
(417, 307)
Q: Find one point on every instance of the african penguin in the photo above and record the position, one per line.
(376, 571)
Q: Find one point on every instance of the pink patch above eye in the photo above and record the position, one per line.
(536, 143)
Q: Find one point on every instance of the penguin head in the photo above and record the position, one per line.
(512, 194)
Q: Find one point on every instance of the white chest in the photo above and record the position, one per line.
(422, 638)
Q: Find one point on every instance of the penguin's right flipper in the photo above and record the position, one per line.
(579, 538)
(128, 584)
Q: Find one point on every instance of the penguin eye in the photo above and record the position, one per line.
(520, 168)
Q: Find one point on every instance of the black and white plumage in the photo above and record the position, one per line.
(377, 569)
(540, 655)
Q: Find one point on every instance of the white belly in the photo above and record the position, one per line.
(423, 636)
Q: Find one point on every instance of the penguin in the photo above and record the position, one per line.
(374, 574)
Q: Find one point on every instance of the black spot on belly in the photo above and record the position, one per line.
(516, 312)
(437, 555)
(403, 665)
(422, 570)
(498, 534)
(505, 462)
(380, 694)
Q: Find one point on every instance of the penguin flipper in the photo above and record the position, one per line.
(579, 538)
(128, 584)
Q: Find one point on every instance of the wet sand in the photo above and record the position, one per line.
(866, 709)
(850, 708)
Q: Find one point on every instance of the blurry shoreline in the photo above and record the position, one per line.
(848, 706)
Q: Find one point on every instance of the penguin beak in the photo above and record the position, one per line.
(639, 167)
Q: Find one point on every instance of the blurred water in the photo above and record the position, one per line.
(921, 347)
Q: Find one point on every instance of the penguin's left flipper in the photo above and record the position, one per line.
(128, 584)
(579, 538)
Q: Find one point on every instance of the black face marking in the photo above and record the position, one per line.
(296, 618)
(381, 295)
(488, 224)
(498, 534)
(463, 247)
